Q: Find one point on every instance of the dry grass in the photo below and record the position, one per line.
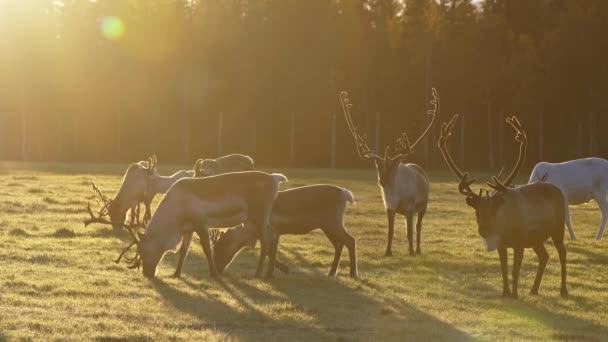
(58, 281)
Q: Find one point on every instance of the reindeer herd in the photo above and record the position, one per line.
(228, 193)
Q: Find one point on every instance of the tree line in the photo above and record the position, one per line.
(117, 80)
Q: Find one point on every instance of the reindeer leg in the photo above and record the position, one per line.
(272, 255)
(203, 234)
(410, 232)
(569, 222)
(561, 251)
(263, 252)
(183, 252)
(338, 247)
(543, 258)
(352, 253)
(518, 256)
(600, 198)
(147, 213)
(504, 270)
(390, 214)
(419, 229)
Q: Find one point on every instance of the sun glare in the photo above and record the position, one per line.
(112, 28)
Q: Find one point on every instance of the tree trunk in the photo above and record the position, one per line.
(377, 148)
(462, 142)
(253, 135)
(220, 127)
(490, 146)
(292, 140)
(332, 160)
(541, 134)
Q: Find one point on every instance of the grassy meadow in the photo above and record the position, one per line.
(58, 280)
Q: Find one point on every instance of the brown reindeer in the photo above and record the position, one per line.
(518, 218)
(298, 211)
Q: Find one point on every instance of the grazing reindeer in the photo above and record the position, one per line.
(203, 167)
(405, 187)
(298, 211)
(130, 194)
(225, 164)
(195, 204)
(581, 181)
(518, 218)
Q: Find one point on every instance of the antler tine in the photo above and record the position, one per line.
(125, 251)
(464, 187)
(93, 218)
(363, 149)
(522, 138)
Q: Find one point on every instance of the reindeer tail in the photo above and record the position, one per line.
(348, 196)
(279, 178)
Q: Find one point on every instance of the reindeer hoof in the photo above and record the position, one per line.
(514, 295)
(418, 251)
(506, 294)
(176, 275)
(564, 293)
(534, 293)
(388, 254)
(412, 253)
(355, 276)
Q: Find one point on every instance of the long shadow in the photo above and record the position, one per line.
(567, 327)
(274, 309)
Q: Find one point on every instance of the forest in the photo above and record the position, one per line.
(119, 80)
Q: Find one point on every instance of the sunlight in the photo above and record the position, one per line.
(112, 28)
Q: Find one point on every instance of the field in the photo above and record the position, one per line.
(58, 280)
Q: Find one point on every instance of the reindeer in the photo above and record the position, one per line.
(142, 183)
(405, 187)
(518, 218)
(227, 163)
(195, 204)
(131, 193)
(298, 211)
(581, 181)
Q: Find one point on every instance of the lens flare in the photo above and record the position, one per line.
(112, 28)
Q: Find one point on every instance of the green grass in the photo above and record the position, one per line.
(58, 280)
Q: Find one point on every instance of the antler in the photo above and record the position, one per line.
(152, 162)
(522, 138)
(104, 211)
(360, 140)
(135, 261)
(464, 187)
(404, 147)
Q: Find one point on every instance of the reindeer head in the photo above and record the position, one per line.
(230, 243)
(486, 206)
(387, 166)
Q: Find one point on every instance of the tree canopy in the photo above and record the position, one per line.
(118, 80)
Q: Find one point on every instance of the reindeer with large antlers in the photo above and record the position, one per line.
(518, 218)
(405, 187)
(130, 195)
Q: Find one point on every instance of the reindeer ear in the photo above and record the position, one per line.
(472, 202)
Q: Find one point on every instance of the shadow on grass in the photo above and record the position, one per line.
(335, 308)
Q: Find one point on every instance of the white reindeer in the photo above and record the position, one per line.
(581, 181)
(405, 187)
